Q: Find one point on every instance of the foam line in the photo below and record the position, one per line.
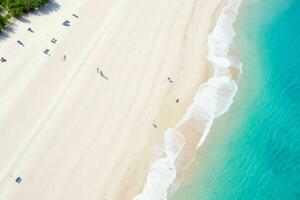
(163, 172)
(212, 99)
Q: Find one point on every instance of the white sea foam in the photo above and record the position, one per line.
(212, 99)
(163, 172)
(221, 86)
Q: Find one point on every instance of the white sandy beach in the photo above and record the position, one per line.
(71, 134)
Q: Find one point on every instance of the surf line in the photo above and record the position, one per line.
(212, 100)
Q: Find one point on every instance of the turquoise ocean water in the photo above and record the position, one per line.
(253, 151)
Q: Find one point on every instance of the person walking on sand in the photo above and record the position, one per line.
(20, 43)
(101, 74)
(74, 15)
(30, 30)
(3, 60)
(64, 58)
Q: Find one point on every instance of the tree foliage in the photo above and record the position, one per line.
(17, 8)
(3, 21)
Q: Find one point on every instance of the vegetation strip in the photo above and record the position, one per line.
(16, 8)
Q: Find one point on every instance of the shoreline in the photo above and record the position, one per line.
(239, 142)
(158, 41)
(168, 116)
(179, 142)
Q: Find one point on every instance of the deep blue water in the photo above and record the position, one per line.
(253, 152)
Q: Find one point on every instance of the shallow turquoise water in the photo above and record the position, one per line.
(253, 152)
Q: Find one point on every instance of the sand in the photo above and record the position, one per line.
(68, 132)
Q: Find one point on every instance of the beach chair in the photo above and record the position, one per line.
(46, 51)
(18, 180)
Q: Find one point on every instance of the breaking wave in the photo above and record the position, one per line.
(163, 171)
(212, 99)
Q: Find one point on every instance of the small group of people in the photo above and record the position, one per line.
(66, 23)
(20, 42)
(53, 40)
(3, 60)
